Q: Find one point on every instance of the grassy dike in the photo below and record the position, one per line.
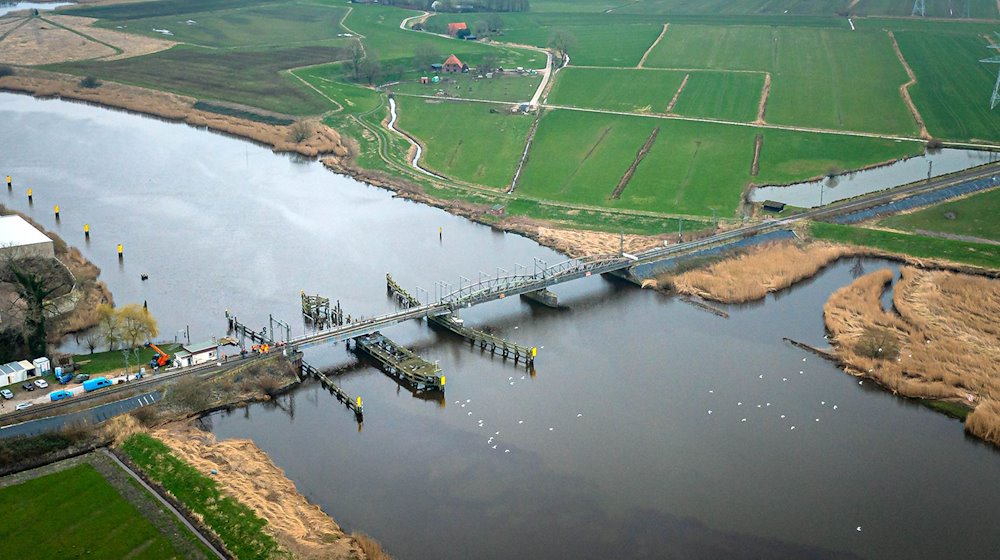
(236, 524)
(976, 254)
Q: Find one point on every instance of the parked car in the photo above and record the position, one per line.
(6, 394)
(27, 386)
(80, 378)
(60, 395)
(41, 383)
(22, 405)
(97, 383)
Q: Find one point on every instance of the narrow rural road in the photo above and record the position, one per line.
(653, 46)
(165, 503)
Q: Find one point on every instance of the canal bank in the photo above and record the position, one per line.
(612, 449)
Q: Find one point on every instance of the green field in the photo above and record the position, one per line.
(465, 140)
(255, 25)
(101, 362)
(640, 91)
(510, 88)
(977, 254)
(953, 88)
(580, 158)
(732, 96)
(789, 156)
(236, 524)
(601, 40)
(253, 78)
(975, 216)
(379, 25)
(823, 78)
(76, 513)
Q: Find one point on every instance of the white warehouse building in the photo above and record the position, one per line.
(21, 239)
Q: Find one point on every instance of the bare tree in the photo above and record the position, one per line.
(34, 281)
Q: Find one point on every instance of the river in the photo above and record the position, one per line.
(607, 451)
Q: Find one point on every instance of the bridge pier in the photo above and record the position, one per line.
(543, 296)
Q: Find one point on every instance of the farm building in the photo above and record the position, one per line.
(200, 353)
(19, 238)
(15, 372)
(454, 28)
(454, 66)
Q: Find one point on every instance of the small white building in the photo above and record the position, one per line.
(200, 353)
(42, 365)
(21, 239)
(15, 372)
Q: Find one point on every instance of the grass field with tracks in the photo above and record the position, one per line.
(81, 515)
(732, 96)
(466, 140)
(691, 168)
(953, 88)
(511, 88)
(254, 25)
(821, 78)
(643, 91)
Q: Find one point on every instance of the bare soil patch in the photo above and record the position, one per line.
(247, 474)
(940, 341)
(130, 44)
(639, 156)
(657, 42)
(673, 100)
(755, 272)
(39, 42)
(904, 90)
(765, 92)
(758, 144)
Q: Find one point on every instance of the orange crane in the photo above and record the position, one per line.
(161, 359)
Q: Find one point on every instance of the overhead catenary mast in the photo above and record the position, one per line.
(995, 98)
(918, 8)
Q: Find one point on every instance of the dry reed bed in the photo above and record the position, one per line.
(247, 474)
(942, 341)
(756, 272)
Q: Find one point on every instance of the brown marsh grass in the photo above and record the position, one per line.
(756, 272)
(947, 334)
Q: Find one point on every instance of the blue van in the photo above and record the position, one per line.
(96, 383)
(60, 395)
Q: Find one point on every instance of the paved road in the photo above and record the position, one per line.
(89, 416)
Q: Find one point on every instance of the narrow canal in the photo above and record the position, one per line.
(650, 429)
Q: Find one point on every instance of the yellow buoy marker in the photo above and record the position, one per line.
(56, 209)
(9, 182)
(359, 402)
(86, 230)
(29, 195)
(120, 250)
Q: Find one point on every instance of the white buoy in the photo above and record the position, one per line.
(709, 411)
(579, 415)
(743, 420)
(550, 429)
(520, 421)
(782, 416)
(793, 427)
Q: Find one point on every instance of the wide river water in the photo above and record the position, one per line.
(651, 429)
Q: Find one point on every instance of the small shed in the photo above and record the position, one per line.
(200, 353)
(425, 80)
(21, 239)
(773, 206)
(15, 372)
(454, 28)
(436, 67)
(42, 365)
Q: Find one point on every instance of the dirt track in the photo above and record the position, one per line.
(904, 90)
(657, 42)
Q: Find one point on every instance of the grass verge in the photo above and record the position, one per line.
(236, 524)
(976, 254)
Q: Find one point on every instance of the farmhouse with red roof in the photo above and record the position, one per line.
(454, 66)
(454, 28)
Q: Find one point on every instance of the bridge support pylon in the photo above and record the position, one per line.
(544, 297)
